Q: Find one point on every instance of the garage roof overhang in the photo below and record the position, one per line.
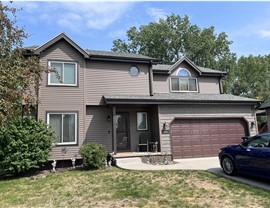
(181, 98)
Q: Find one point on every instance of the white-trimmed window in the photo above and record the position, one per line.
(64, 126)
(142, 121)
(67, 72)
(183, 82)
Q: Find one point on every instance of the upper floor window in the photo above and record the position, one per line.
(67, 72)
(183, 82)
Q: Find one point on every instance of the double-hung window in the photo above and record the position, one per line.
(66, 73)
(183, 82)
(64, 126)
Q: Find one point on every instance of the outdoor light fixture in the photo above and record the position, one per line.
(165, 128)
(109, 118)
(252, 124)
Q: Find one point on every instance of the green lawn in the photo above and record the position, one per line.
(119, 188)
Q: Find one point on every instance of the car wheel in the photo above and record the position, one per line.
(228, 166)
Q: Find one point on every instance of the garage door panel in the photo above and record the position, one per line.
(187, 153)
(196, 142)
(204, 137)
(197, 152)
(186, 143)
(185, 132)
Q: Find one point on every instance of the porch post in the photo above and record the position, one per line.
(114, 129)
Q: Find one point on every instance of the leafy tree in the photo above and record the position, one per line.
(171, 38)
(19, 75)
(24, 144)
(252, 77)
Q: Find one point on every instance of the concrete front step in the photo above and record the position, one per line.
(131, 160)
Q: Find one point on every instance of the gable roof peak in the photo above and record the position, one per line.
(184, 58)
(55, 39)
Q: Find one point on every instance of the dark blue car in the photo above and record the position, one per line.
(251, 157)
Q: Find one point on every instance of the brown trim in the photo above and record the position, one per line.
(151, 79)
(114, 128)
(62, 112)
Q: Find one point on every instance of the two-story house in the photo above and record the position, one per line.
(114, 98)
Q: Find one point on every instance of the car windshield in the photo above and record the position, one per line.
(257, 141)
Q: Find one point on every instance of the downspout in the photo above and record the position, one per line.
(220, 85)
(114, 129)
(151, 78)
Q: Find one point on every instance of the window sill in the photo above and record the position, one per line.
(62, 85)
(66, 144)
(185, 91)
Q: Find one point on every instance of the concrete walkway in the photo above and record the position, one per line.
(210, 164)
(181, 164)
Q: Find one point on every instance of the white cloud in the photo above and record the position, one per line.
(156, 14)
(75, 16)
(264, 33)
(118, 34)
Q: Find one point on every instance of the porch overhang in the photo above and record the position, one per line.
(179, 98)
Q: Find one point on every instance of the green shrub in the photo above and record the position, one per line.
(94, 155)
(24, 144)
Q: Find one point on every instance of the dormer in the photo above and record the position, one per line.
(183, 81)
(185, 77)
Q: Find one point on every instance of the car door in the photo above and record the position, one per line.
(255, 156)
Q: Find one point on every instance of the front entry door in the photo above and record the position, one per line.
(122, 132)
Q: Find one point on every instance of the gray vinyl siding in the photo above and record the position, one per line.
(168, 113)
(161, 84)
(111, 78)
(98, 128)
(63, 98)
(208, 85)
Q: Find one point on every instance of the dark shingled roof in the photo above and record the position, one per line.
(31, 47)
(168, 98)
(264, 106)
(116, 54)
(163, 67)
(108, 54)
(207, 70)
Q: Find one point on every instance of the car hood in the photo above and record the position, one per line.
(231, 147)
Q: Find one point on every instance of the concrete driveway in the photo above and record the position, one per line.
(252, 181)
(210, 164)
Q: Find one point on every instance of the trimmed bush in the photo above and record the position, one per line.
(24, 144)
(94, 155)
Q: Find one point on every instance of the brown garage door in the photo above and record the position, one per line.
(204, 137)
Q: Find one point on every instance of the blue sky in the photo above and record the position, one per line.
(94, 25)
